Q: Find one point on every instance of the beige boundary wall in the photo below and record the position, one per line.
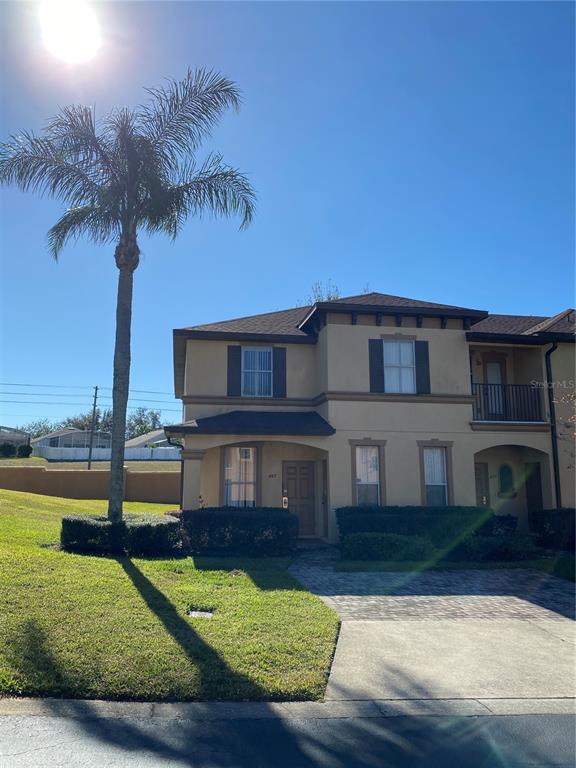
(153, 487)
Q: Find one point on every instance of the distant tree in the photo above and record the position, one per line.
(84, 421)
(142, 420)
(320, 291)
(40, 427)
(80, 421)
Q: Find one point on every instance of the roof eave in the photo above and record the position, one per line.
(519, 338)
(284, 338)
(475, 315)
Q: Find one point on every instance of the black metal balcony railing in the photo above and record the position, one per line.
(507, 402)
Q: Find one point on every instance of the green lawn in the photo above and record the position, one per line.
(90, 627)
(563, 565)
(133, 466)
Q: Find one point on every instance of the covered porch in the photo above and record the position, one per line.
(268, 459)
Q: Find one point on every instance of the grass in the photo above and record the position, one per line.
(562, 566)
(133, 466)
(89, 627)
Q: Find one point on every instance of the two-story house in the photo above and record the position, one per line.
(376, 399)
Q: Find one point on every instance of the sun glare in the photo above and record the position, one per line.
(70, 30)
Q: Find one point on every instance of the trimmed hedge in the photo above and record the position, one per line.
(24, 451)
(254, 531)
(138, 535)
(442, 525)
(554, 528)
(386, 546)
(504, 547)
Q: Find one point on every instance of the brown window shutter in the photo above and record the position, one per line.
(422, 367)
(279, 372)
(234, 371)
(376, 361)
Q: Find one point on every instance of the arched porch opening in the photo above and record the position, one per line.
(513, 479)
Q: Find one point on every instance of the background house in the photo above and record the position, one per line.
(14, 436)
(72, 438)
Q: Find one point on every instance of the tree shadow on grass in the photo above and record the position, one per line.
(211, 666)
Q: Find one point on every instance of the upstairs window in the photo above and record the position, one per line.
(399, 366)
(257, 367)
(240, 477)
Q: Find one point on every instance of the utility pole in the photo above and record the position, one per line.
(92, 425)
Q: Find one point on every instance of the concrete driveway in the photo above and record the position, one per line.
(498, 635)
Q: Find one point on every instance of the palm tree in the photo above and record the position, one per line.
(133, 171)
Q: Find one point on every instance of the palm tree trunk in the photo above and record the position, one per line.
(127, 257)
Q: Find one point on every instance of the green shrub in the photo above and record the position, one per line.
(24, 451)
(442, 525)
(385, 546)
(255, 531)
(554, 528)
(7, 450)
(504, 547)
(498, 525)
(93, 535)
(137, 535)
(152, 536)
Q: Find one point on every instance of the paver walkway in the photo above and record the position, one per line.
(483, 635)
(498, 594)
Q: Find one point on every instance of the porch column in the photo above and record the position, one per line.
(191, 471)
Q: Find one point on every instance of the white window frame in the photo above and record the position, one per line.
(359, 482)
(246, 371)
(443, 484)
(241, 482)
(400, 367)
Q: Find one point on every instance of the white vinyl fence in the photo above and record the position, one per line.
(103, 454)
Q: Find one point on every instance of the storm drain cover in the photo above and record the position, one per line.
(200, 614)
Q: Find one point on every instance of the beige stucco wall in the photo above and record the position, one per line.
(207, 363)
(347, 356)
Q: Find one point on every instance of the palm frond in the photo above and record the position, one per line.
(73, 131)
(214, 188)
(34, 163)
(183, 113)
(93, 221)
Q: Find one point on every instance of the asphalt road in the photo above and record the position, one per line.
(490, 741)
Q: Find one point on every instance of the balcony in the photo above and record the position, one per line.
(507, 402)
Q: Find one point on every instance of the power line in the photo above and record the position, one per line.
(80, 405)
(71, 394)
(76, 386)
(50, 386)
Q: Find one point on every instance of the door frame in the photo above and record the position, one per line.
(313, 463)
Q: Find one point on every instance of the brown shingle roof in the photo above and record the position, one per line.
(507, 323)
(387, 300)
(527, 325)
(284, 322)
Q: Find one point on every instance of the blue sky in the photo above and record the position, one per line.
(422, 149)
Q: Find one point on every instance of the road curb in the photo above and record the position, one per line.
(299, 710)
